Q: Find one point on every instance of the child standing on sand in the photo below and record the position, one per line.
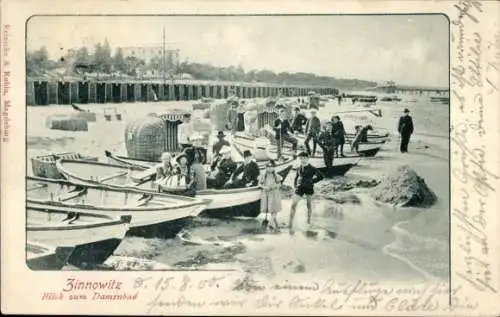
(271, 197)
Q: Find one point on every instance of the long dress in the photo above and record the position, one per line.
(271, 199)
(251, 122)
(240, 126)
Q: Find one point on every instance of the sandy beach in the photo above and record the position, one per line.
(372, 240)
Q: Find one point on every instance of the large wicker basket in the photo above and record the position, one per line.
(145, 138)
(45, 165)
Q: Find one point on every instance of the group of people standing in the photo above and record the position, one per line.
(330, 136)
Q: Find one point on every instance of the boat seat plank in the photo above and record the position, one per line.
(110, 177)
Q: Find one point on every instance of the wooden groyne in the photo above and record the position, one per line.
(45, 92)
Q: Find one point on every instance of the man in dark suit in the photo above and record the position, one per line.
(405, 129)
(250, 171)
(299, 120)
(313, 128)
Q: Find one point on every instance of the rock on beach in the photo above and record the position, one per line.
(403, 187)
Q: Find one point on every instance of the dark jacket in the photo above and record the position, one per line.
(405, 125)
(298, 122)
(313, 126)
(250, 173)
(282, 127)
(226, 166)
(307, 176)
(325, 139)
(338, 132)
(218, 145)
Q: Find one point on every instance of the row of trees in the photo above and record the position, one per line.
(210, 72)
(81, 62)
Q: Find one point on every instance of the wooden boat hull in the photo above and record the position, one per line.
(93, 243)
(40, 257)
(164, 216)
(223, 202)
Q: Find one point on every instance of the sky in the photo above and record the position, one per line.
(409, 49)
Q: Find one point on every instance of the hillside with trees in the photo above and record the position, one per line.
(102, 64)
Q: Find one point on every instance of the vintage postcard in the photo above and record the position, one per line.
(250, 157)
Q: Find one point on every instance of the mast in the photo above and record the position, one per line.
(163, 55)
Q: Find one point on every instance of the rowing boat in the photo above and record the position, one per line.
(244, 202)
(93, 236)
(153, 214)
(43, 257)
(282, 167)
(45, 165)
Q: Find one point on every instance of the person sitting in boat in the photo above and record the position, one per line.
(298, 122)
(249, 169)
(361, 136)
(199, 148)
(198, 168)
(165, 168)
(184, 176)
(184, 131)
(338, 133)
(283, 130)
(220, 143)
(327, 143)
(222, 168)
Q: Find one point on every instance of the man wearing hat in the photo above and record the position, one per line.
(184, 131)
(250, 170)
(313, 127)
(405, 129)
(221, 142)
(222, 168)
(298, 121)
(338, 133)
(327, 143)
(307, 175)
(282, 130)
(199, 149)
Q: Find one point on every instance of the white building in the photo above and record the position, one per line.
(146, 53)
